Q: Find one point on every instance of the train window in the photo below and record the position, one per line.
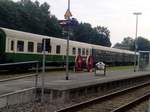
(20, 45)
(73, 50)
(39, 47)
(79, 50)
(30, 47)
(87, 51)
(12, 45)
(83, 51)
(58, 49)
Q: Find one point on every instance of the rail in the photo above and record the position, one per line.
(85, 104)
(132, 103)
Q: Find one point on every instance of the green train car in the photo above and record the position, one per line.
(18, 46)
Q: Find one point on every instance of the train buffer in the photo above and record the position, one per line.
(100, 66)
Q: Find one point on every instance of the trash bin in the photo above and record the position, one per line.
(100, 66)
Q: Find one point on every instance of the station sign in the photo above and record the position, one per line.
(67, 14)
(70, 22)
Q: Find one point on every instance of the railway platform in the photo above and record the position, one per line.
(58, 90)
(85, 84)
(80, 79)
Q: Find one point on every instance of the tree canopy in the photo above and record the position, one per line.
(143, 44)
(34, 17)
(85, 33)
(128, 43)
(29, 16)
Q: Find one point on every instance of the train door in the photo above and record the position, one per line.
(2, 42)
(47, 44)
(2, 46)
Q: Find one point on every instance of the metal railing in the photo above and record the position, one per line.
(19, 63)
(22, 77)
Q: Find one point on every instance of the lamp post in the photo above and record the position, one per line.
(136, 46)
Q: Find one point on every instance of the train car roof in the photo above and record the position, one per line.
(26, 35)
(21, 34)
(112, 49)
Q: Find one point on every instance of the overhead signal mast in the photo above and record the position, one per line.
(68, 13)
(67, 16)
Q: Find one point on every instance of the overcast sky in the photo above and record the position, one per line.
(117, 15)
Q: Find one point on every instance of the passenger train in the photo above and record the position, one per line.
(18, 46)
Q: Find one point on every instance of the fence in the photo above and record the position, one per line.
(19, 96)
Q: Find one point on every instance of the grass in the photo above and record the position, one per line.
(120, 68)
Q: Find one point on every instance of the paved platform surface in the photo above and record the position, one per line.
(86, 78)
(56, 80)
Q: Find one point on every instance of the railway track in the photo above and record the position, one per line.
(130, 105)
(119, 101)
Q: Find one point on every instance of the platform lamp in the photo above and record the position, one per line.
(136, 46)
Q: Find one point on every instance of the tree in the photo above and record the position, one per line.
(34, 17)
(103, 31)
(7, 9)
(82, 32)
(85, 33)
(52, 27)
(129, 44)
(29, 16)
(103, 35)
(143, 44)
(118, 45)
